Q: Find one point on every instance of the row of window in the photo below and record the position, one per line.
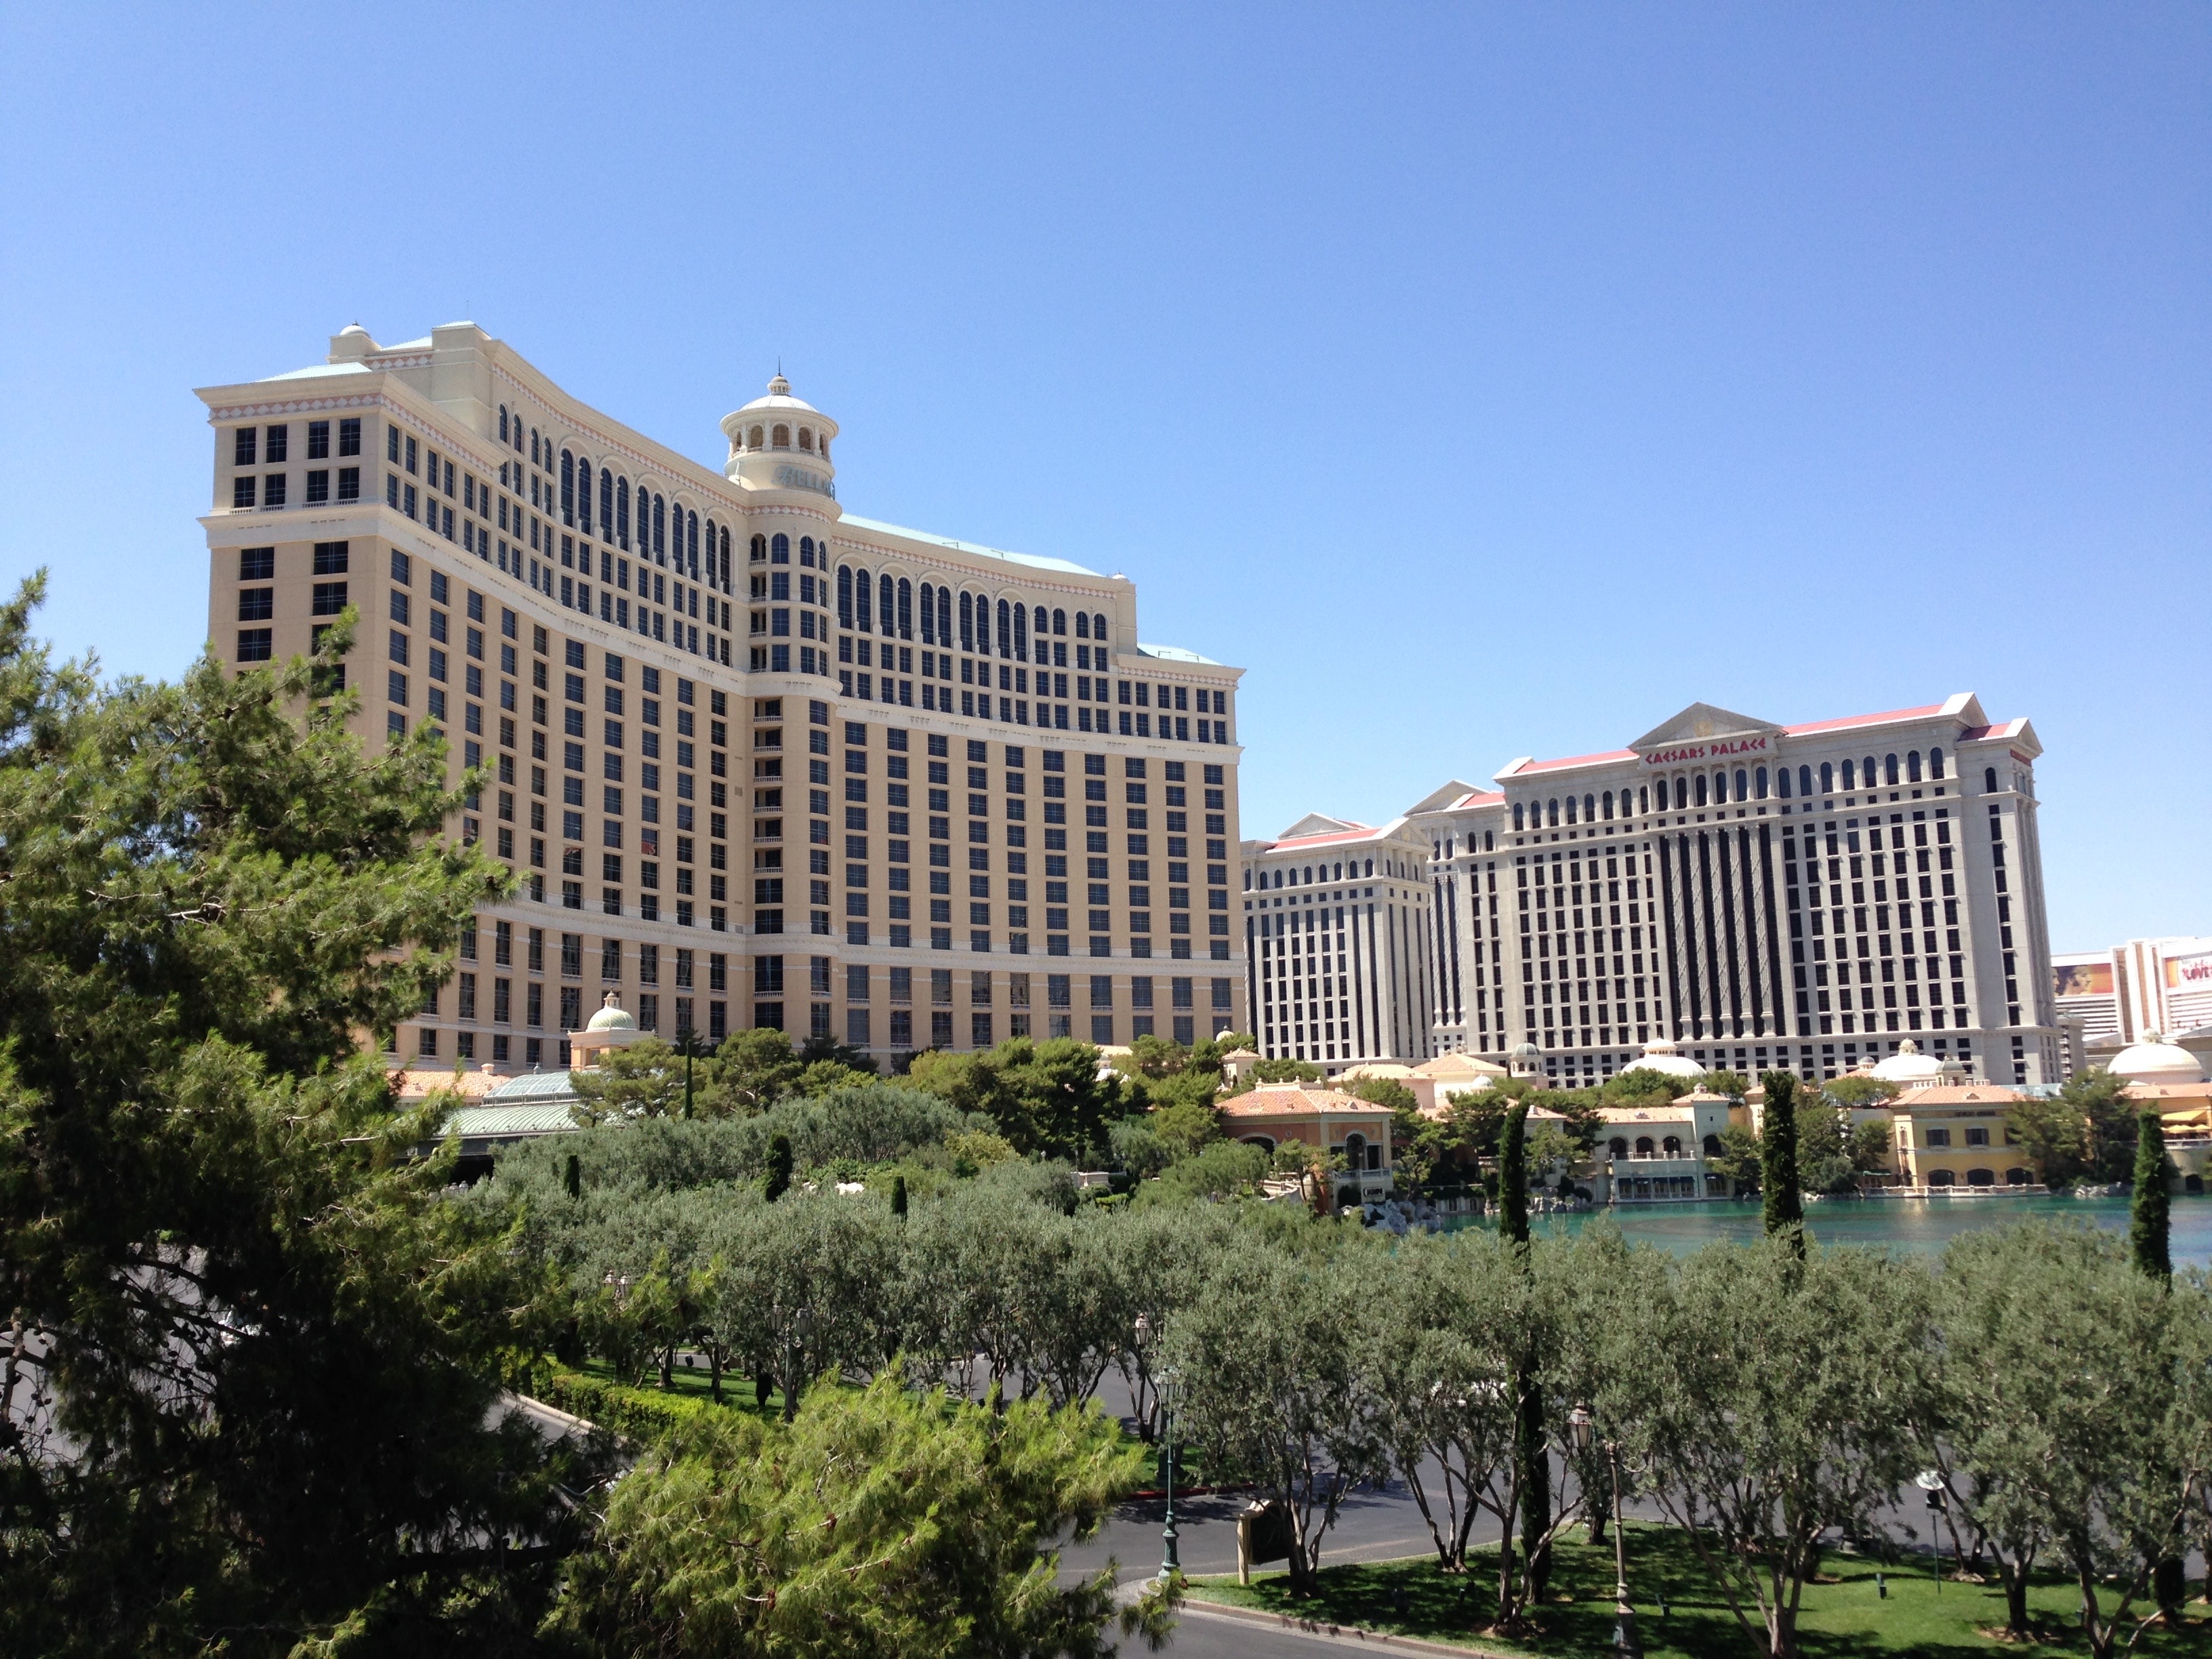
(271, 446)
(666, 533)
(1719, 787)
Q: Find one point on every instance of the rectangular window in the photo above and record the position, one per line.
(318, 441)
(242, 491)
(329, 559)
(272, 490)
(329, 598)
(349, 483)
(349, 436)
(255, 644)
(256, 604)
(318, 487)
(244, 446)
(257, 564)
(279, 444)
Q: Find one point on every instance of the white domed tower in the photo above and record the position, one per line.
(779, 445)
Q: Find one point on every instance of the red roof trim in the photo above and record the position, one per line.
(1579, 760)
(1850, 720)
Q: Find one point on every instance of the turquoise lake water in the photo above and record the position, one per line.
(1920, 1226)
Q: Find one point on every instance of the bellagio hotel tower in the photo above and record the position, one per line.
(754, 761)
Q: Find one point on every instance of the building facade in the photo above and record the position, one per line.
(2107, 999)
(1338, 942)
(1804, 897)
(754, 761)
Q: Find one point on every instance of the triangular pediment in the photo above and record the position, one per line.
(1700, 723)
(1445, 796)
(1317, 823)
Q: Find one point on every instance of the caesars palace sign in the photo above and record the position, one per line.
(1719, 749)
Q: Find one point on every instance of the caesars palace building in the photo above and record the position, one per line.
(752, 760)
(1796, 896)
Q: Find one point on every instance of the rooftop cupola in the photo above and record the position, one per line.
(781, 443)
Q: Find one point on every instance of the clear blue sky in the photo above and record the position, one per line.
(1486, 381)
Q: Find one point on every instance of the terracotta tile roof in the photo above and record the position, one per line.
(1293, 1099)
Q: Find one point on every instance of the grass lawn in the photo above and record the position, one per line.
(1845, 1617)
(687, 1384)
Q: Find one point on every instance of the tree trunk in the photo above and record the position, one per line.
(1536, 1489)
(2016, 1588)
(714, 1375)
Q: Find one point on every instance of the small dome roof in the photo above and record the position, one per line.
(2152, 1060)
(1525, 1051)
(612, 1018)
(1662, 1056)
(779, 400)
(1908, 1064)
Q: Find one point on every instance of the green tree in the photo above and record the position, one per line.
(879, 1522)
(645, 1080)
(754, 1069)
(1277, 1071)
(1531, 1464)
(1782, 1410)
(2072, 1418)
(2087, 1132)
(2148, 1218)
(1741, 1158)
(1784, 1212)
(252, 1387)
(775, 1180)
(1269, 1356)
(1735, 1085)
(1047, 1098)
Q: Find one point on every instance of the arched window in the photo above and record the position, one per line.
(1370, 867)
(1308, 876)
(1759, 783)
(1782, 781)
(1618, 1146)
(945, 625)
(1850, 775)
(1097, 626)
(1827, 779)
(1712, 1146)
(1913, 766)
(1608, 803)
(906, 608)
(1518, 823)
(606, 506)
(1934, 763)
(759, 550)
(1671, 1147)
(659, 524)
(1989, 780)
(1006, 631)
(886, 605)
(1570, 808)
(1644, 1145)
(517, 434)
(844, 596)
(807, 552)
(1552, 813)
(1643, 800)
(1867, 772)
(929, 616)
(584, 497)
(1699, 796)
(1059, 621)
(1082, 625)
(806, 439)
(782, 439)
(1889, 769)
(862, 594)
(691, 543)
(1742, 782)
(569, 488)
(502, 424)
(621, 514)
(1021, 631)
(726, 559)
(534, 446)
(967, 623)
(778, 549)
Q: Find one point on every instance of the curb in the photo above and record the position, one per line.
(1360, 1633)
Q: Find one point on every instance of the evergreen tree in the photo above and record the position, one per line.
(573, 1178)
(253, 1383)
(1532, 1453)
(898, 1195)
(2148, 1216)
(776, 1181)
(1778, 1145)
(1513, 1175)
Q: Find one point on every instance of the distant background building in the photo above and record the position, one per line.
(1798, 896)
(2107, 999)
(1338, 942)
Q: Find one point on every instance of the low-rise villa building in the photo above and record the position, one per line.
(1337, 1124)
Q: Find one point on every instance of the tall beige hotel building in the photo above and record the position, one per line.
(754, 761)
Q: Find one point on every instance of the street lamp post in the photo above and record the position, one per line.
(1624, 1614)
(1169, 1566)
(683, 1037)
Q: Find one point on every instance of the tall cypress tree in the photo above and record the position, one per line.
(2148, 1215)
(777, 1180)
(1533, 1458)
(1777, 1159)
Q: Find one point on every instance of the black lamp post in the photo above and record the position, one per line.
(1624, 1615)
(685, 1040)
(1170, 1565)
